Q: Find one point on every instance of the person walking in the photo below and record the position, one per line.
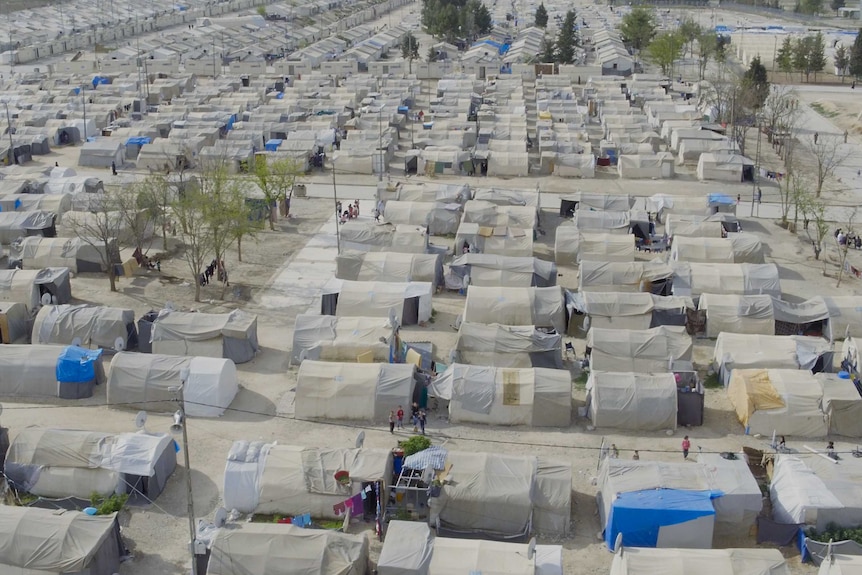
(615, 453)
(636, 456)
(422, 419)
(845, 136)
(816, 135)
(114, 164)
(400, 415)
(391, 421)
(414, 416)
(686, 446)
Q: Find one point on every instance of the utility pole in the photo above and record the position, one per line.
(380, 142)
(337, 214)
(180, 424)
(84, 103)
(9, 128)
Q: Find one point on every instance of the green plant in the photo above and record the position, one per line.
(582, 378)
(402, 514)
(712, 381)
(108, 505)
(835, 533)
(415, 444)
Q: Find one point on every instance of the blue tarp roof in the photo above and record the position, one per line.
(138, 141)
(721, 199)
(77, 365)
(272, 145)
(639, 515)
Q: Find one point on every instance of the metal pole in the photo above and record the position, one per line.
(380, 145)
(214, 63)
(191, 504)
(9, 127)
(84, 102)
(337, 215)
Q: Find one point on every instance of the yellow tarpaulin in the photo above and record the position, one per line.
(751, 390)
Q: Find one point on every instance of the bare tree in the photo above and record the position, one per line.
(138, 219)
(828, 154)
(851, 218)
(195, 233)
(790, 193)
(155, 194)
(814, 212)
(733, 101)
(99, 228)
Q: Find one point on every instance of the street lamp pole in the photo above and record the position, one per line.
(180, 425)
(9, 129)
(337, 214)
(380, 142)
(84, 104)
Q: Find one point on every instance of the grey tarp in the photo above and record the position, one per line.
(29, 370)
(603, 222)
(748, 351)
(331, 338)
(635, 401)
(647, 561)
(818, 552)
(41, 542)
(621, 276)
(505, 396)
(645, 350)
(406, 550)
(507, 346)
(541, 307)
(14, 225)
(494, 215)
(842, 405)
(693, 279)
(369, 391)
(572, 245)
(408, 302)
(28, 286)
(91, 326)
(269, 549)
(390, 267)
(596, 201)
(145, 380)
(845, 315)
(14, 322)
(508, 197)
(752, 314)
(80, 255)
(737, 249)
(498, 240)
(229, 335)
(372, 237)
(620, 310)
(440, 219)
(498, 270)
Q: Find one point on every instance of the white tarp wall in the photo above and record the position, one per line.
(621, 276)
(500, 240)
(541, 307)
(441, 219)
(379, 299)
(645, 560)
(694, 279)
(635, 401)
(643, 351)
(752, 314)
(490, 214)
(572, 245)
(781, 401)
(359, 391)
(743, 351)
(330, 338)
(498, 396)
(738, 249)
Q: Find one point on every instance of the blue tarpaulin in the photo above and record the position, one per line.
(639, 515)
(272, 145)
(138, 141)
(230, 122)
(720, 199)
(100, 80)
(279, 96)
(77, 365)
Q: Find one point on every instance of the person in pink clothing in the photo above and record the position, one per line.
(686, 445)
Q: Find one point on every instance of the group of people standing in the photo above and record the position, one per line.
(352, 211)
(216, 268)
(417, 416)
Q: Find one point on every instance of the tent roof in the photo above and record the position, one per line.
(648, 561)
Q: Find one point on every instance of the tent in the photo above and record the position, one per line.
(724, 167)
(845, 315)
(738, 249)
(60, 463)
(145, 381)
(633, 401)
(693, 279)
(781, 401)
(14, 225)
(601, 222)
(811, 489)
(57, 204)
(359, 391)
(14, 323)
(409, 550)
(58, 542)
(49, 371)
(643, 561)
(500, 396)
(812, 317)
(448, 193)
(626, 277)
(503, 241)
(660, 504)
(495, 270)
(836, 564)
(331, 338)
(86, 325)
(571, 245)
(503, 197)
(507, 346)
(502, 497)
(273, 478)
(494, 215)
(408, 302)
(746, 351)
(229, 335)
(389, 267)
(269, 549)
(751, 314)
(441, 219)
(619, 310)
(645, 350)
(101, 153)
(700, 226)
(656, 166)
(79, 255)
(541, 307)
(842, 405)
(595, 201)
(373, 237)
(573, 165)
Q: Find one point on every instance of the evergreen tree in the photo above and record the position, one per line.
(482, 17)
(542, 16)
(784, 59)
(549, 51)
(842, 60)
(567, 39)
(638, 28)
(756, 83)
(837, 5)
(410, 49)
(801, 49)
(856, 56)
(817, 54)
(690, 31)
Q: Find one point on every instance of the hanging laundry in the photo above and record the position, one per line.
(339, 509)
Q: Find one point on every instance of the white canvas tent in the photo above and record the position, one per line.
(541, 307)
(499, 396)
(229, 335)
(596, 201)
(440, 219)
(290, 480)
(268, 549)
(751, 314)
(723, 167)
(51, 542)
(102, 152)
(507, 346)
(618, 310)
(496, 270)
(622, 276)
(835, 564)
(494, 215)
(781, 401)
(360, 391)
(646, 350)
(331, 338)
(373, 237)
(645, 561)
(602, 221)
(408, 302)
(86, 325)
(389, 267)
(145, 381)
(810, 489)
(694, 279)
(634, 401)
(745, 351)
(700, 226)
(572, 245)
(79, 255)
(49, 371)
(503, 241)
(841, 404)
(738, 249)
(655, 166)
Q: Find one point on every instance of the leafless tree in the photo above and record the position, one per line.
(99, 228)
(827, 153)
(814, 212)
(848, 230)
